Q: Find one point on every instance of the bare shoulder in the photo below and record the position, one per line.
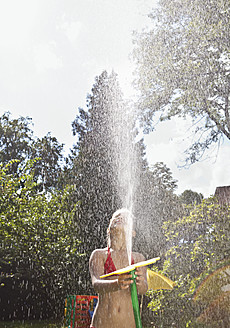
(138, 257)
(97, 254)
(96, 262)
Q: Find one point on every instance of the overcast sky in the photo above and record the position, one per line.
(52, 50)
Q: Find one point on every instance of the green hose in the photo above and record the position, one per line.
(135, 302)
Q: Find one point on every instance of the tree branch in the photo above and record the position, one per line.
(213, 118)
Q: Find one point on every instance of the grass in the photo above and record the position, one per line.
(31, 323)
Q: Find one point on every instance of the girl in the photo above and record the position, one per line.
(114, 308)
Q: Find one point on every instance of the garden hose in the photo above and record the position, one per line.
(135, 302)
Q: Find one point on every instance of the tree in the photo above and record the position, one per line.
(16, 139)
(183, 69)
(17, 142)
(103, 162)
(48, 167)
(39, 250)
(157, 203)
(191, 197)
(200, 242)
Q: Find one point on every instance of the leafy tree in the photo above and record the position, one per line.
(17, 142)
(183, 69)
(191, 197)
(16, 139)
(103, 161)
(49, 168)
(158, 203)
(39, 250)
(200, 242)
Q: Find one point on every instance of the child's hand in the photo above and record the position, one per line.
(140, 276)
(124, 280)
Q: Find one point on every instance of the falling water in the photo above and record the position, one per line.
(128, 234)
(122, 139)
(127, 183)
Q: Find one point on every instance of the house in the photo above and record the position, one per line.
(223, 195)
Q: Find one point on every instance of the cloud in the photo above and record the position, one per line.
(72, 30)
(46, 58)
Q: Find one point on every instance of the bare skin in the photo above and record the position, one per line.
(114, 308)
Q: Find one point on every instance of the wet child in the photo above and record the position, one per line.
(114, 308)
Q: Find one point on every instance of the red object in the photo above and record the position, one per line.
(109, 265)
(82, 316)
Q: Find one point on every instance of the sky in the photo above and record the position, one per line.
(52, 50)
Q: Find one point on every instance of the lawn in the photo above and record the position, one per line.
(31, 323)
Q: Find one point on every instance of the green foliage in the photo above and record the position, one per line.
(191, 197)
(102, 161)
(18, 143)
(163, 177)
(158, 203)
(48, 169)
(200, 242)
(92, 156)
(183, 69)
(39, 244)
(32, 323)
(15, 139)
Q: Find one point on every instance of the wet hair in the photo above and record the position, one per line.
(125, 213)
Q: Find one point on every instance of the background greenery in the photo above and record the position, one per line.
(54, 209)
(34, 324)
